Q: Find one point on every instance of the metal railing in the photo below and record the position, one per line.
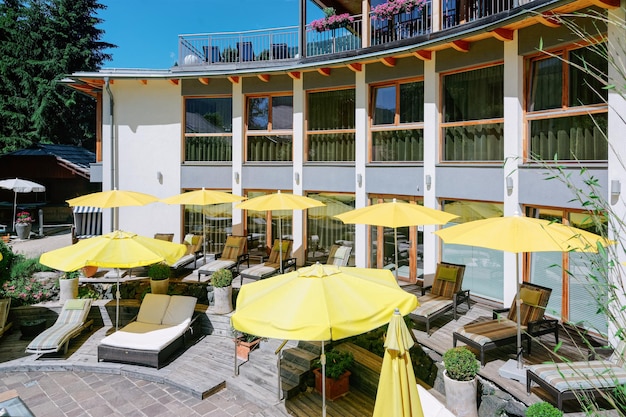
(282, 44)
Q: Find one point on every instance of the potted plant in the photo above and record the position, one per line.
(543, 409)
(337, 373)
(245, 343)
(68, 286)
(461, 384)
(222, 280)
(159, 275)
(391, 8)
(23, 225)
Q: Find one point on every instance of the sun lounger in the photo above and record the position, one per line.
(571, 380)
(445, 295)
(5, 325)
(71, 322)
(502, 330)
(234, 254)
(158, 332)
(339, 255)
(272, 265)
(194, 250)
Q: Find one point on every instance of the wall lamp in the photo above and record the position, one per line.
(296, 176)
(509, 184)
(160, 177)
(616, 188)
(359, 180)
(428, 180)
(237, 177)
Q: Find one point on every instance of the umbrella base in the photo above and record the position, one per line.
(511, 371)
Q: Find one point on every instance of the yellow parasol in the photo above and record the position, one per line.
(320, 302)
(396, 214)
(279, 201)
(519, 234)
(203, 198)
(114, 250)
(397, 394)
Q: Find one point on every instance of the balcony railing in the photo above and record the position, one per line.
(281, 44)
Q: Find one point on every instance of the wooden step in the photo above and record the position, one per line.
(301, 357)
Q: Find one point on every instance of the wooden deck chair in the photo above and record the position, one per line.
(235, 253)
(71, 322)
(271, 266)
(5, 325)
(502, 330)
(445, 294)
(572, 380)
(339, 255)
(194, 250)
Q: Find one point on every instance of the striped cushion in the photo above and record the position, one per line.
(233, 247)
(72, 315)
(430, 304)
(276, 251)
(215, 265)
(258, 270)
(447, 281)
(530, 312)
(581, 375)
(489, 331)
(53, 337)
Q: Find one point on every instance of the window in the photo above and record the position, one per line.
(263, 227)
(483, 267)
(397, 122)
(208, 129)
(270, 124)
(567, 111)
(217, 224)
(324, 230)
(579, 289)
(331, 127)
(473, 113)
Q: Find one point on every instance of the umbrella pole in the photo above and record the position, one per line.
(323, 362)
(395, 245)
(280, 244)
(518, 302)
(203, 235)
(14, 208)
(117, 300)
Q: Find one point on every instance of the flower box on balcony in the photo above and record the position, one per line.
(330, 21)
(388, 10)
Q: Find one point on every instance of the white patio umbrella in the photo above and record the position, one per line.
(18, 185)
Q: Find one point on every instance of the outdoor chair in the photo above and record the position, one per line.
(159, 330)
(445, 295)
(246, 53)
(339, 255)
(234, 254)
(502, 330)
(169, 237)
(212, 55)
(571, 380)
(271, 266)
(71, 322)
(5, 325)
(280, 51)
(194, 250)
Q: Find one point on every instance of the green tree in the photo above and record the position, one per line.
(42, 42)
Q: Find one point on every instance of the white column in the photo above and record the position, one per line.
(360, 159)
(238, 149)
(431, 157)
(297, 179)
(617, 153)
(513, 150)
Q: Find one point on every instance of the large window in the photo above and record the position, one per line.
(324, 230)
(331, 128)
(473, 111)
(578, 288)
(216, 225)
(397, 122)
(483, 267)
(263, 227)
(567, 111)
(269, 128)
(208, 129)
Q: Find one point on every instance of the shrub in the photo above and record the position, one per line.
(337, 362)
(460, 364)
(159, 271)
(222, 278)
(25, 291)
(543, 409)
(23, 267)
(6, 261)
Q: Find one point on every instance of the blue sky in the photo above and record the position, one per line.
(146, 32)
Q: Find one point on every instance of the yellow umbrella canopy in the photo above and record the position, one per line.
(473, 210)
(397, 394)
(396, 214)
(113, 250)
(320, 302)
(113, 198)
(519, 234)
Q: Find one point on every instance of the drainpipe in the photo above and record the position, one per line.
(114, 156)
(302, 30)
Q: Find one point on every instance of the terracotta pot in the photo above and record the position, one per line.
(244, 348)
(89, 271)
(6, 238)
(335, 388)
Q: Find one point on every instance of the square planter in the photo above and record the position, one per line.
(335, 388)
(244, 348)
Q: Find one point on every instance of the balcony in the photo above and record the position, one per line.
(278, 46)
